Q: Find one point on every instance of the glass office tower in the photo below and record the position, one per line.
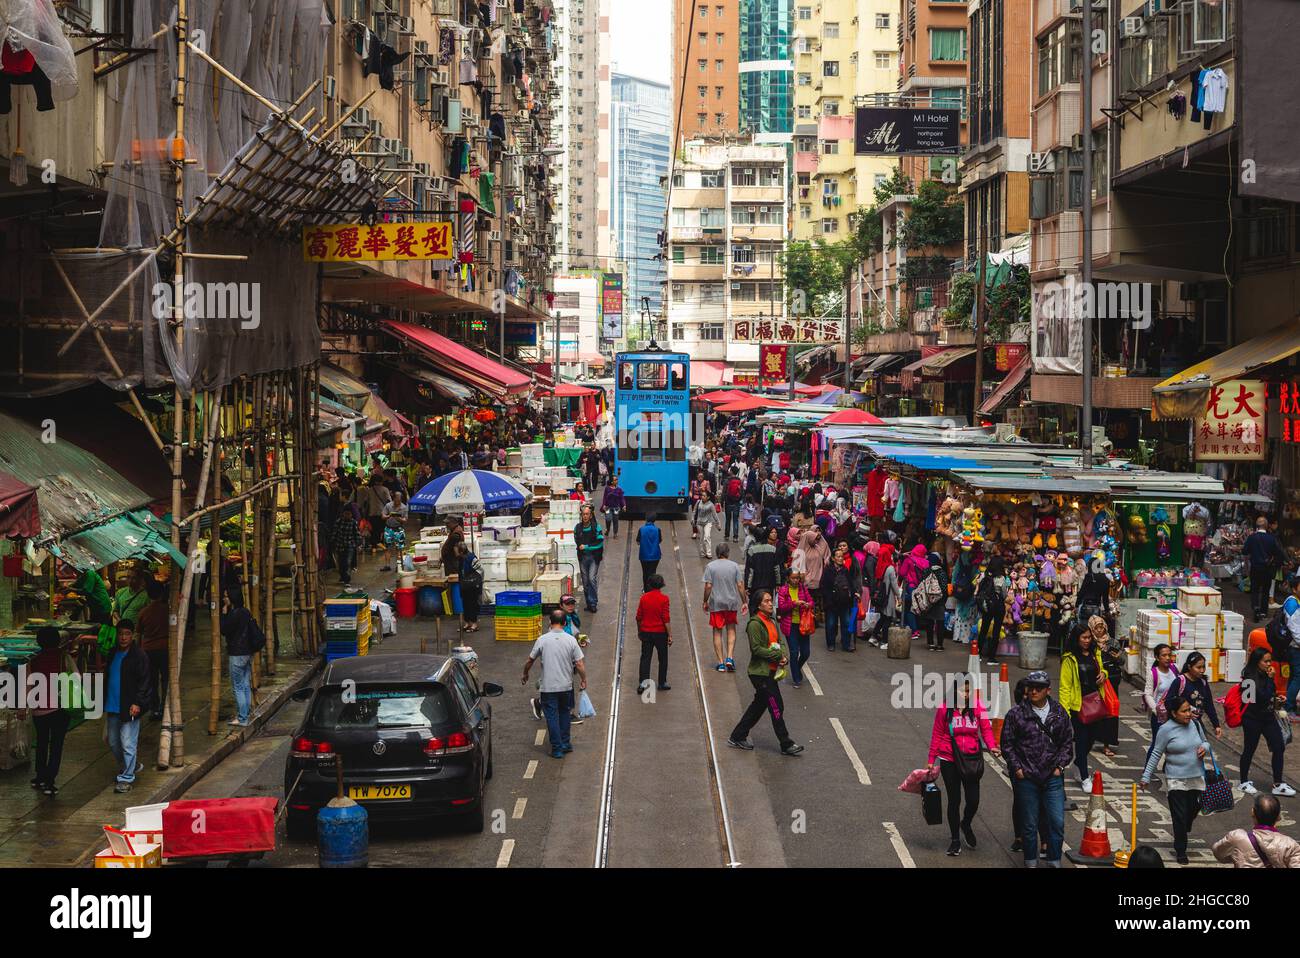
(766, 70)
(639, 132)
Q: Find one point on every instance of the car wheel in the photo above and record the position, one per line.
(474, 820)
(300, 825)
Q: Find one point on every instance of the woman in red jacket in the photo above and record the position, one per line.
(654, 630)
(962, 721)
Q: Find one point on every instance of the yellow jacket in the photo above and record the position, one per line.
(1069, 694)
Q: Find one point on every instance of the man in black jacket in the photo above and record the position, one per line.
(590, 540)
(129, 695)
(244, 639)
(1038, 745)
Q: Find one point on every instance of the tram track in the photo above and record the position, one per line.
(607, 817)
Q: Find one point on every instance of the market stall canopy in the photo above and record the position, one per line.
(936, 364)
(379, 411)
(879, 364)
(343, 387)
(1184, 394)
(470, 491)
(570, 391)
(461, 362)
(20, 516)
(851, 417)
(725, 396)
(750, 403)
(819, 390)
(705, 372)
(136, 535)
(998, 398)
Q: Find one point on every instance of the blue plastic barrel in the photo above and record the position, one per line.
(430, 601)
(343, 835)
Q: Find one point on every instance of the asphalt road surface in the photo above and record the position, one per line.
(648, 785)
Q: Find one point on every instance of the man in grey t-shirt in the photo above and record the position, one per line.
(561, 656)
(724, 594)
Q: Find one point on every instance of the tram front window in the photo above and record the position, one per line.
(652, 376)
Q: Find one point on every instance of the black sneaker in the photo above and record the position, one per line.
(794, 748)
(745, 745)
(1017, 845)
(968, 833)
(954, 848)
(50, 790)
(664, 687)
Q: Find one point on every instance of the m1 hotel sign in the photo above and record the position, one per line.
(906, 131)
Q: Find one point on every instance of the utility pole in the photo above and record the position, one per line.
(848, 331)
(981, 308)
(501, 256)
(1085, 412)
(556, 370)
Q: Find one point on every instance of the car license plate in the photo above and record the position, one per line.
(377, 793)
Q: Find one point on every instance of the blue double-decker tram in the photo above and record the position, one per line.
(653, 428)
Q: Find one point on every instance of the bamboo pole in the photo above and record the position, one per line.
(214, 570)
(239, 389)
(266, 507)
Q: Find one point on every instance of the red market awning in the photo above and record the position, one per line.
(998, 398)
(707, 372)
(725, 396)
(851, 417)
(20, 516)
(570, 391)
(751, 403)
(460, 361)
(820, 390)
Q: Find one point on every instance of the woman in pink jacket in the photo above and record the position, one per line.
(962, 720)
(794, 613)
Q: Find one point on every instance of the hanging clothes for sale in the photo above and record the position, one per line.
(876, 493)
(459, 157)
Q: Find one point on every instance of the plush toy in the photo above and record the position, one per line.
(1046, 572)
(947, 520)
(1137, 530)
(1072, 532)
(1164, 531)
(971, 528)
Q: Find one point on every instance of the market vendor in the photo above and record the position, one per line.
(130, 600)
(90, 586)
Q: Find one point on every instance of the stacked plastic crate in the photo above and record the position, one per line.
(518, 616)
(347, 626)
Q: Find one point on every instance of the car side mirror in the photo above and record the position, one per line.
(303, 694)
(492, 690)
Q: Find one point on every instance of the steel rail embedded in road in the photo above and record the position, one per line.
(715, 772)
(606, 814)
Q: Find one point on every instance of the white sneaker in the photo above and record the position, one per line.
(1283, 789)
(1086, 785)
(1248, 788)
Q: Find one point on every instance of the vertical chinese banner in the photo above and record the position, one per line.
(772, 362)
(1230, 427)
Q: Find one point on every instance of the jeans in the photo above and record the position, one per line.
(1184, 805)
(50, 732)
(731, 511)
(1082, 744)
(611, 522)
(838, 620)
(1261, 585)
(990, 633)
(800, 648)
(590, 574)
(652, 642)
(1293, 684)
(648, 567)
(767, 698)
(558, 709)
(1155, 727)
(956, 785)
(1045, 803)
(347, 561)
(123, 741)
(161, 673)
(241, 680)
(1252, 728)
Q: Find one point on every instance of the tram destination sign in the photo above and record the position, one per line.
(906, 131)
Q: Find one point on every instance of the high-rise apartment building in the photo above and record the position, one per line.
(581, 124)
(706, 66)
(726, 229)
(639, 146)
(766, 70)
(934, 45)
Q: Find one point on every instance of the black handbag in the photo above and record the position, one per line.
(932, 804)
(969, 767)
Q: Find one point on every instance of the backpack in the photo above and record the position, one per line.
(926, 593)
(1233, 706)
(1279, 635)
(471, 571)
(734, 489)
(841, 588)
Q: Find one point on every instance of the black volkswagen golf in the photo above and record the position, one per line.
(414, 733)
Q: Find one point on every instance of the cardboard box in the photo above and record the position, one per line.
(1199, 600)
(1161, 627)
(145, 856)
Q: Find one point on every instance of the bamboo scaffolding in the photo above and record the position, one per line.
(215, 578)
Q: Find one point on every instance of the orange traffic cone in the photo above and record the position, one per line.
(973, 663)
(1001, 703)
(1095, 847)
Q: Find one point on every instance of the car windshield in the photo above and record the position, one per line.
(371, 707)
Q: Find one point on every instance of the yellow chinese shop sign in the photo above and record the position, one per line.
(351, 242)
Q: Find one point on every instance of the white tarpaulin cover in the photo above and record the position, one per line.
(32, 25)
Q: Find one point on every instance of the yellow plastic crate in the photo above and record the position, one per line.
(518, 630)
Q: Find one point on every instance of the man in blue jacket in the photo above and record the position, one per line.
(1038, 745)
(648, 536)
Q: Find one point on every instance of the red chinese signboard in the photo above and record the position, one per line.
(1231, 426)
(1007, 356)
(772, 362)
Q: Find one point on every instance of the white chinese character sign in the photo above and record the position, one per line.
(1231, 426)
(795, 331)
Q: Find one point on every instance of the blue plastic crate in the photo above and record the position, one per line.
(518, 600)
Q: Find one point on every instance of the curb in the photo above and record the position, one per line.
(189, 775)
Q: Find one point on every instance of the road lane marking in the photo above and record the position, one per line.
(520, 805)
(507, 849)
(531, 770)
(900, 848)
(812, 680)
(856, 762)
(541, 736)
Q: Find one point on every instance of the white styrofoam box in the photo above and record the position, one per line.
(538, 475)
(1132, 662)
(559, 472)
(490, 548)
(1199, 600)
(1148, 660)
(1161, 627)
(494, 567)
(504, 524)
(514, 457)
(493, 586)
(1181, 656)
(532, 454)
(521, 567)
(1235, 661)
(565, 506)
(552, 585)
(564, 484)
(431, 549)
(145, 817)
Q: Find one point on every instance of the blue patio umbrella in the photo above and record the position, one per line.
(470, 491)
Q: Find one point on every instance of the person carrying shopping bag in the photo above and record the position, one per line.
(961, 732)
(794, 610)
(1183, 746)
(1082, 678)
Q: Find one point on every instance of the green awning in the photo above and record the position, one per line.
(133, 535)
(486, 186)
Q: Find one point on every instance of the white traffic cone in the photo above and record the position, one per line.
(1001, 703)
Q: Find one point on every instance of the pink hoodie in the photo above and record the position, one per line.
(968, 733)
(913, 565)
